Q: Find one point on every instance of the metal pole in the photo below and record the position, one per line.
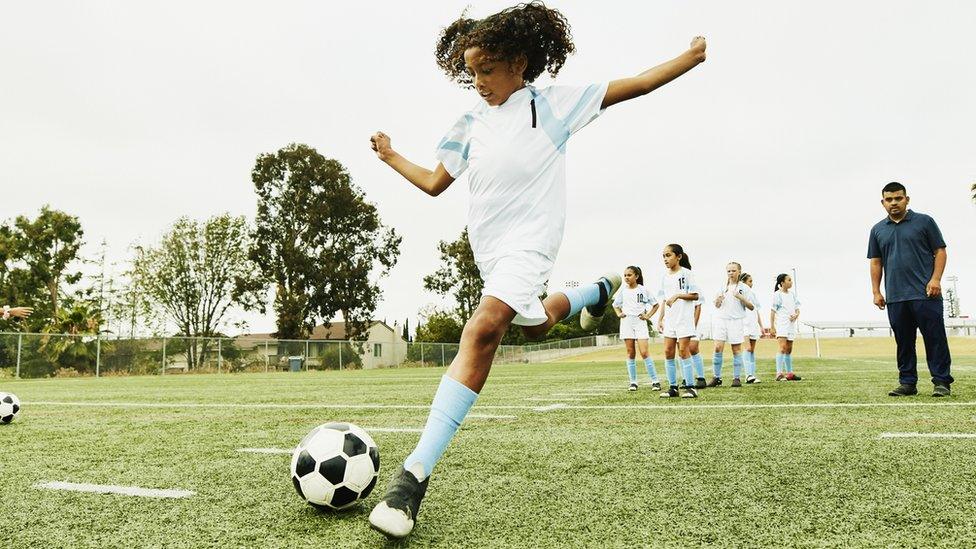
(267, 359)
(421, 354)
(817, 340)
(98, 354)
(164, 356)
(220, 356)
(340, 355)
(443, 362)
(20, 338)
(306, 355)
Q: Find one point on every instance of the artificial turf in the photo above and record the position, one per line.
(611, 468)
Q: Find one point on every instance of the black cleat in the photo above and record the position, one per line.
(700, 383)
(395, 514)
(941, 390)
(672, 392)
(903, 390)
(715, 382)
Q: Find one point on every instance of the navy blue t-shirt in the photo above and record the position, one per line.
(907, 251)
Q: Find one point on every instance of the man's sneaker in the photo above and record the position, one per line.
(395, 514)
(736, 382)
(670, 393)
(752, 379)
(700, 383)
(633, 387)
(792, 377)
(715, 382)
(941, 390)
(591, 316)
(655, 386)
(903, 390)
(690, 392)
(781, 377)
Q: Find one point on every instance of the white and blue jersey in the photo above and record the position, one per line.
(515, 157)
(682, 311)
(785, 304)
(634, 301)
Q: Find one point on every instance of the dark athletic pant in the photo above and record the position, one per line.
(924, 315)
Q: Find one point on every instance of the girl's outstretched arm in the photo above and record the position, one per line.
(431, 182)
(652, 79)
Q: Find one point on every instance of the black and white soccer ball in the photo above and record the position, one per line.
(335, 466)
(9, 406)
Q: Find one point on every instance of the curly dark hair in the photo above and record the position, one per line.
(539, 33)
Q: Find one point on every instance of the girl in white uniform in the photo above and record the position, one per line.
(754, 330)
(512, 146)
(676, 321)
(635, 305)
(730, 310)
(782, 320)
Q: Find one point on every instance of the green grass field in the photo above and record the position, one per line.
(773, 465)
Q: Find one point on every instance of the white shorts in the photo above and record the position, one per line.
(728, 330)
(752, 331)
(679, 328)
(518, 279)
(786, 329)
(632, 327)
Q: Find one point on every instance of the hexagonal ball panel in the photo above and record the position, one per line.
(353, 445)
(372, 484)
(305, 464)
(343, 496)
(333, 469)
(374, 454)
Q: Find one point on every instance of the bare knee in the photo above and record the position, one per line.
(485, 328)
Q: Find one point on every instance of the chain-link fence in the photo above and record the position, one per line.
(29, 355)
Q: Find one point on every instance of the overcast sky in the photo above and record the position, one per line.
(772, 153)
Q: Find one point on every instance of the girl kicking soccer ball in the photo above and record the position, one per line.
(754, 330)
(676, 321)
(635, 306)
(512, 145)
(782, 319)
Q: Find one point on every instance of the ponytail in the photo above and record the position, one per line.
(743, 277)
(779, 281)
(676, 249)
(637, 271)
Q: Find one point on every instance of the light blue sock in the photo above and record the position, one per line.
(686, 367)
(717, 364)
(671, 370)
(779, 363)
(737, 365)
(651, 372)
(632, 369)
(584, 296)
(788, 363)
(750, 360)
(699, 365)
(451, 403)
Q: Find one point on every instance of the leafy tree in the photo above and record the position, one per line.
(439, 327)
(458, 276)
(36, 262)
(318, 241)
(197, 273)
(973, 190)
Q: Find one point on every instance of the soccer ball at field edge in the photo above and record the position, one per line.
(9, 406)
(335, 466)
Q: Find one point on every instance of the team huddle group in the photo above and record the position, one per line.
(677, 303)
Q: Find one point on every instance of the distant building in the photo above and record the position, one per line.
(383, 345)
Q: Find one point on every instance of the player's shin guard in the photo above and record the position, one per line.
(788, 363)
(651, 372)
(584, 296)
(699, 365)
(779, 363)
(451, 403)
(672, 371)
(717, 365)
(686, 369)
(632, 369)
(736, 365)
(750, 362)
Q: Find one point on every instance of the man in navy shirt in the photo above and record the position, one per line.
(908, 249)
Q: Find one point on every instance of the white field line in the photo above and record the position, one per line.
(551, 407)
(557, 399)
(266, 450)
(489, 416)
(580, 394)
(927, 435)
(113, 489)
(678, 407)
(394, 429)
